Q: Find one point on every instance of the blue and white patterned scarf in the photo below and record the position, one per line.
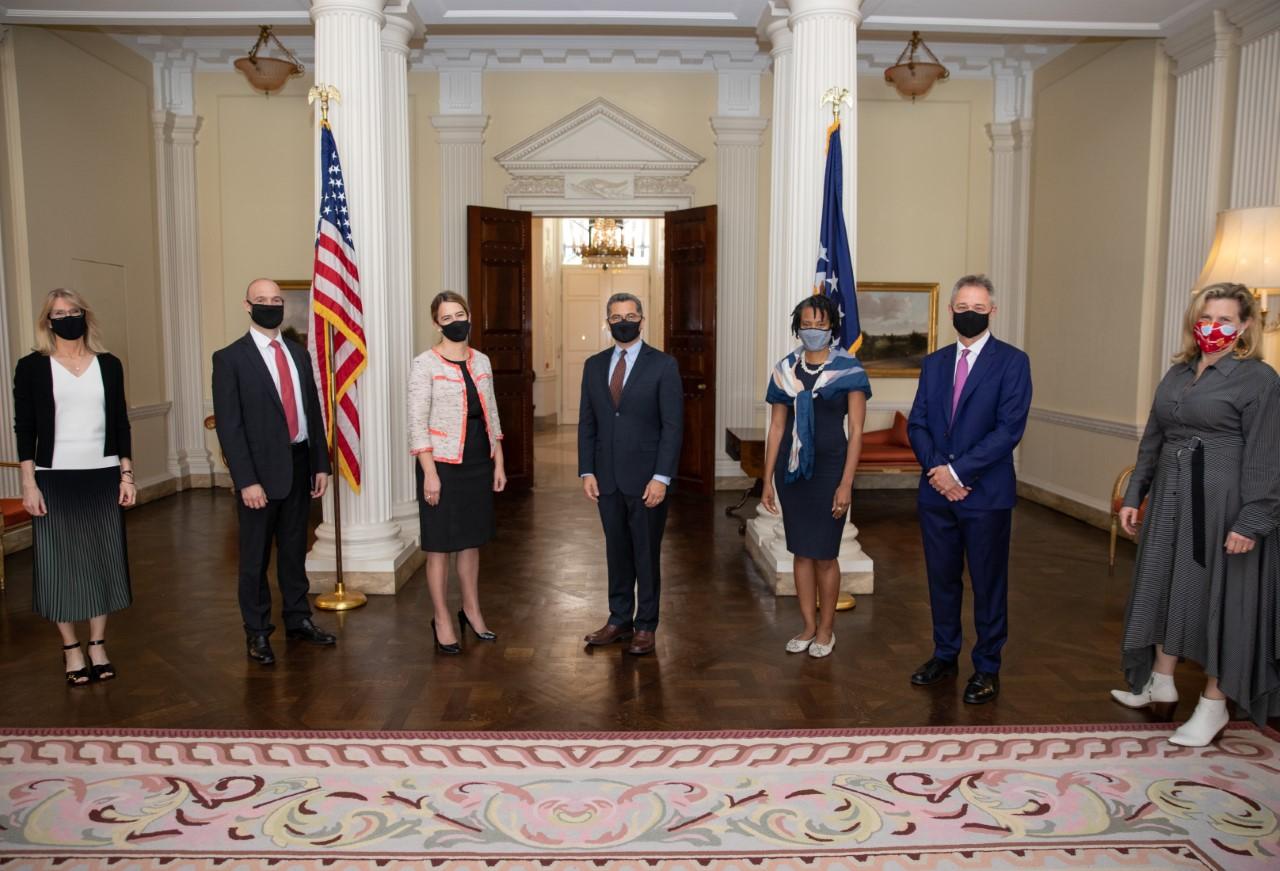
(842, 374)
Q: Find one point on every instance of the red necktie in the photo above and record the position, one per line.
(615, 383)
(286, 390)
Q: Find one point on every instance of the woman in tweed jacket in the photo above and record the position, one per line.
(456, 436)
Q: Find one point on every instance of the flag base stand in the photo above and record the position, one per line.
(341, 599)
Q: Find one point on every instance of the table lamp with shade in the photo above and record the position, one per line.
(1246, 250)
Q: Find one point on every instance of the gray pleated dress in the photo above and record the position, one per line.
(1210, 460)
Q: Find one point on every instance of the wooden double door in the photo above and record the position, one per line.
(500, 290)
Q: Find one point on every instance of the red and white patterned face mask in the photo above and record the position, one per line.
(1215, 336)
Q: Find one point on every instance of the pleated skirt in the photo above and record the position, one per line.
(81, 560)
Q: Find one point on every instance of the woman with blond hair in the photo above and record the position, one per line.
(455, 434)
(72, 427)
(1207, 576)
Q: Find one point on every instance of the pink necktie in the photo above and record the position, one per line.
(962, 373)
(286, 391)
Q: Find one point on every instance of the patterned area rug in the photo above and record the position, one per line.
(1079, 797)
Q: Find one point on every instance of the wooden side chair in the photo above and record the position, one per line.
(12, 516)
(1117, 502)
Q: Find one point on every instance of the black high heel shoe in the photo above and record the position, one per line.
(80, 677)
(444, 648)
(465, 624)
(105, 671)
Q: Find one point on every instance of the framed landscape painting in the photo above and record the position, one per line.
(297, 309)
(899, 327)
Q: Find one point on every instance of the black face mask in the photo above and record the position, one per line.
(970, 324)
(69, 328)
(625, 331)
(267, 316)
(456, 331)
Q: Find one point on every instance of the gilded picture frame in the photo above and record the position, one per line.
(899, 327)
(297, 308)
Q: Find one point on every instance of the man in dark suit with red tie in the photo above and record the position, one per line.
(271, 430)
(630, 427)
(969, 414)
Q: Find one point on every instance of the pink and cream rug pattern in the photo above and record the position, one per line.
(1071, 797)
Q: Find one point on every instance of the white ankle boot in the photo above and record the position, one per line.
(1158, 691)
(1208, 720)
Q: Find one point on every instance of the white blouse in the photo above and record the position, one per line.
(80, 419)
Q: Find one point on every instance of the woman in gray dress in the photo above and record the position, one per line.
(1207, 576)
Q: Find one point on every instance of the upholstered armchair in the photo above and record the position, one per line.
(12, 516)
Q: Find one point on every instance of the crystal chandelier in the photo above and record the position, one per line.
(604, 246)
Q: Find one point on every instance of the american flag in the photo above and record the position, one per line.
(335, 301)
(834, 274)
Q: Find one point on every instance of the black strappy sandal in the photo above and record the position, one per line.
(80, 677)
(106, 671)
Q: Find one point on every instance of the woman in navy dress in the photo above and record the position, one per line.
(811, 392)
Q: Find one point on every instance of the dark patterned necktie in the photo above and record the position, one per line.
(615, 383)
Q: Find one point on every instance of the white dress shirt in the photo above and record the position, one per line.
(974, 350)
(630, 354)
(269, 356)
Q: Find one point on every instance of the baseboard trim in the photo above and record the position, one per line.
(1078, 505)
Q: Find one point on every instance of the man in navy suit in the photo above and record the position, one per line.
(629, 432)
(969, 414)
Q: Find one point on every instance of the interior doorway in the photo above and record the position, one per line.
(538, 312)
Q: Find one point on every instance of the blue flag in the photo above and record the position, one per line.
(834, 274)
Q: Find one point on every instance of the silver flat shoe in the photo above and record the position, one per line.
(799, 645)
(818, 651)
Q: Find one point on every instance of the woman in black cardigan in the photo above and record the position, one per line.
(72, 425)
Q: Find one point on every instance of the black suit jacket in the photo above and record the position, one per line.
(33, 408)
(625, 447)
(251, 423)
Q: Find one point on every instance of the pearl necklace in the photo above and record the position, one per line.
(804, 364)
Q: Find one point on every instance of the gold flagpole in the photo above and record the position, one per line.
(340, 599)
(836, 97)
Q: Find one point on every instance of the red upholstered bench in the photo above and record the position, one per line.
(888, 450)
(15, 516)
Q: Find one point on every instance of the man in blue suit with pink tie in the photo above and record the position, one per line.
(969, 414)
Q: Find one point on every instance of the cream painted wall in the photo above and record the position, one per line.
(85, 137)
(424, 169)
(924, 198)
(1092, 313)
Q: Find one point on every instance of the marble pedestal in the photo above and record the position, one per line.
(767, 544)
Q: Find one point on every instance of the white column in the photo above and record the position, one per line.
(823, 55)
(376, 557)
(1256, 167)
(176, 124)
(396, 33)
(1010, 137)
(1206, 73)
(783, 291)
(460, 130)
(738, 383)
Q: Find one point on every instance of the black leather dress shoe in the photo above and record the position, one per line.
(982, 688)
(260, 649)
(308, 631)
(933, 671)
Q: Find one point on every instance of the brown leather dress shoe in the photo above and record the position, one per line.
(607, 634)
(642, 644)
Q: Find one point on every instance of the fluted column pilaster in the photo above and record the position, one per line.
(783, 290)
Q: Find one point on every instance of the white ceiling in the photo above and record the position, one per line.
(994, 17)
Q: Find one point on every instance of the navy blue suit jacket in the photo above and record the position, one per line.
(625, 447)
(988, 425)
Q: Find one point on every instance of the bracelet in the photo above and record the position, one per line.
(126, 481)
(128, 472)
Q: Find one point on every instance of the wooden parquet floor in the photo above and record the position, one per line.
(719, 662)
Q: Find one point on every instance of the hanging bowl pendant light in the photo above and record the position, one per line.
(913, 78)
(268, 74)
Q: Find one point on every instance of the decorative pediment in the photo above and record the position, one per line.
(599, 136)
